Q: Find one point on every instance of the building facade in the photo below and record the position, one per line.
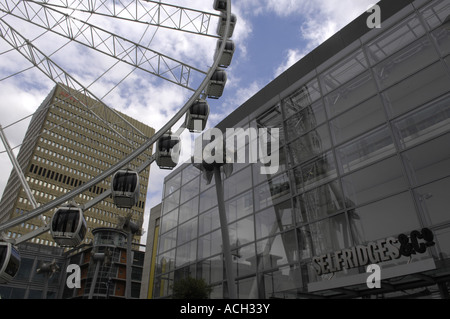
(65, 146)
(363, 174)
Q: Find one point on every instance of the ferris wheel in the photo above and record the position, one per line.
(60, 41)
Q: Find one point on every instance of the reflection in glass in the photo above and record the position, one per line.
(318, 170)
(169, 221)
(238, 183)
(277, 250)
(172, 184)
(395, 39)
(367, 149)
(344, 71)
(186, 254)
(208, 221)
(211, 270)
(350, 94)
(280, 283)
(208, 199)
(377, 180)
(189, 190)
(189, 209)
(407, 61)
(168, 241)
(273, 220)
(425, 123)
(435, 14)
(210, 244)
(441, 37)
(187, 231)
(393, 215)
(358, 120)
(239, 206)
(268, 193)
(242, 232)
(429, 161)
(171, 202)
(435, 201)
(417, 90)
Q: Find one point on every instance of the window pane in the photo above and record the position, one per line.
(242, 232)
(186, 254)
(209, 221)
(273, 220)
(365, 150)
(211, 270)
(239, 206)
(425, 123)
(277, 282)
(417, 90)
(169, 221)
(310, 144)
(395, 39)
(429, 161)
(316, 171)
(259, 177)
(238, 183)
(172, 184)
(210, 244)
(187, 231)
(343, 71)
(321, 202)
(375, 181)
(350, 94)
(171, 202)
(189, 209)
(358, 120)
(268, 193)
(189, 190)
(303, 119)
(277, 250)
(435, 14)
(189, 173)
(435, 200)
(407, 61)
(391, 216)
(441, 37)
(208, 199)
(168, 241)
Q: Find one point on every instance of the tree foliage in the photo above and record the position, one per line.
(191, 288)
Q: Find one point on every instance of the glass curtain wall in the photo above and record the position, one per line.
(363, 155)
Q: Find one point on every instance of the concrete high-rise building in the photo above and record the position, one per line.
(65, 146)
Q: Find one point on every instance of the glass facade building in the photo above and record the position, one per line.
(364, 156)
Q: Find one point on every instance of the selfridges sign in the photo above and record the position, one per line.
(375, 252)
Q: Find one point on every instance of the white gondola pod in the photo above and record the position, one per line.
(198, 111)
(168, 151)
(125, 188)
(9, 262)
(227, 54)
(68, 226)
(221, 26)
(216, 84)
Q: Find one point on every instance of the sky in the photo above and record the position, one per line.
(270, 36)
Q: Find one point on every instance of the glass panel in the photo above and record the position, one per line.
(429, 161)
(187, 231)
(330, 234)
(189, 190)
(26, 264)
(435, 14)
(425, 123)
(442, 239)
(272, 119)
(169, 221)
(168, 241)
(391, 216)
(303, 120)
(343, 71)
(274, 220)
(268, 193)
(245, 288)
(242, 232)
(243, 260)
(210, 244)
(259, 177)
(186, 254)
(189, 173)
(365, 150)
(209, 221)
(208, 199)
(277, 250)
(166, 262)
(378, 180)
(172, 184)
(442, 39)
(418, 89)
(211, 270)
(237, 183)
(360, 119)
(277, 283)
(310, 144)
(350, 94)
(303, 98)
(316, 171)
(435, 201)
(406, 62)
(189, 209)
(395, 39)
(171, 202)
(320, 202)
(239, 206)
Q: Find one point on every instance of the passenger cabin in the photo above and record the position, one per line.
(227, 54)
(220, 5)
(216, 84)
(9, 262)
(168, 151)
(68, 226)
(199, 111)
(223, 24)
(125, 188)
